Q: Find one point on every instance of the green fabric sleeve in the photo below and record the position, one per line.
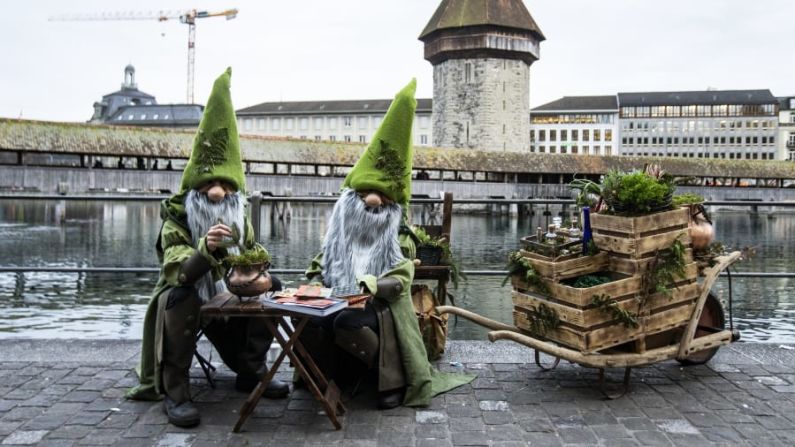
(177, 248)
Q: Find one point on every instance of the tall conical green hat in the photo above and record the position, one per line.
(216, 148)
(386, 164)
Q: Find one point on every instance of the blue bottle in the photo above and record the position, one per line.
(586, 229)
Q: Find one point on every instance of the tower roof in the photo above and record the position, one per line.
(466, 13)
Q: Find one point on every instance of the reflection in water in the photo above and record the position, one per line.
(49, 305)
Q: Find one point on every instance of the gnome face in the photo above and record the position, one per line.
(374, 200)
(216, 190)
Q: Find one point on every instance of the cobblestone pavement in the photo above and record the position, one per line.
(71, 395)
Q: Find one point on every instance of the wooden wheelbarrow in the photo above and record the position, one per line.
(695, 343)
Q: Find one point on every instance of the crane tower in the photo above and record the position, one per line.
(187, 17)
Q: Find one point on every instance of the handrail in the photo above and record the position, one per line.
(24, 269)
(332, 199)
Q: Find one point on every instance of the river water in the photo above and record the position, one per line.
(103, 305)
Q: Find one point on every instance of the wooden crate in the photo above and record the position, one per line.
(588, 328)
(622, 286)
(641, 235)
(567, 267)
(630, 266)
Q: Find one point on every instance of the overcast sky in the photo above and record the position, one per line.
(366, 49)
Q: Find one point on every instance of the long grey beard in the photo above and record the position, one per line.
(360, 241)
(202, 215)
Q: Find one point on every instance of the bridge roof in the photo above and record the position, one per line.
(104, 140)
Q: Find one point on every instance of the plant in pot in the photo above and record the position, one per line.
(433, 250)
(638, 192)
(247, 273)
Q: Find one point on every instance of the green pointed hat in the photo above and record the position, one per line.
(386, 164)
(216, 148)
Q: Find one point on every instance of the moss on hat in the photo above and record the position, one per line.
(386, 164)
(216, 148)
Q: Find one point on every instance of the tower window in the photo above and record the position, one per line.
(467, 72)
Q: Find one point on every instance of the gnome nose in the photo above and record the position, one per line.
(373, 200)
(216, 193)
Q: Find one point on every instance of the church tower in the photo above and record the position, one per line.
(481, 51)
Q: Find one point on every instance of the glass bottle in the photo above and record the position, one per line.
(550, 237)
(586, 229)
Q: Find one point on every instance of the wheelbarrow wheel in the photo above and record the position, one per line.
(713, 319)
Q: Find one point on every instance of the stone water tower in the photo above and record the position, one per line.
(481, 51)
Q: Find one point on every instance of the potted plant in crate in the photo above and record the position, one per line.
(436, 251)
(638, 192)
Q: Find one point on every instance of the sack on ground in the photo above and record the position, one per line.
(433, 326)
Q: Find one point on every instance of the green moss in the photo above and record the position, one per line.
(585, 281)
(247, 258)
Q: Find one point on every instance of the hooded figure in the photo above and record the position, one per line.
(369, 244)
(191, 247)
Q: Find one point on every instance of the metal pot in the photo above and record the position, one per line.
(248, 280)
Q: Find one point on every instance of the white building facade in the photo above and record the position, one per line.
(584, 125)
(729, 124)
(786, 129)
(347, 121)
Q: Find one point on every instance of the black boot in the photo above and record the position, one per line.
(182, 415)
(277, 389)
(390, 399)
(181, 323)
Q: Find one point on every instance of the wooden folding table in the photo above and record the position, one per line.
(325, 391)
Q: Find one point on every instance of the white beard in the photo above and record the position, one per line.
(360, 241)
(202, 215)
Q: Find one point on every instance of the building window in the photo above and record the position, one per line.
(332, 138)
(597, 135)
(317, 138)
(467, 72)
(318, 123)
(424, 122)
(563, 135)
(247, 123)
(552, 149)
(574, 135)
(542, 149)
(586, 135)
(347, 122)
(155, 116)
(261, 124)
(347, 138)
(289, 123)
(361, 122)
(276, 123)
(542, 135)
(423, 139)
(608, 135)
(553, 135)
(303, 123)
(362, 139)
(332, 123)
(532, 135)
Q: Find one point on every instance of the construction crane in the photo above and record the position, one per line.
(187, 17)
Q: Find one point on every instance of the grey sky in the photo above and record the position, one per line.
(360, 49)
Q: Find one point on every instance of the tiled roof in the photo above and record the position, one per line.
(572, 103)
(41, 136)
(466, 13)
(709, 97)
(167, 114)
(328, 107)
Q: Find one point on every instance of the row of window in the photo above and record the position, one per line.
(318, 122)
(575, 135)
(349, 138)
(693, 125)
(700, 140)
(574, 118)
(730, 155)
(586, 150)
(698, 110)
(142, 117)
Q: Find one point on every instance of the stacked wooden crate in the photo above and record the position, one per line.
(628, 247)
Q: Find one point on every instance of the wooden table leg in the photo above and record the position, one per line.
(328, 386)
(329, 398)
(256, 394)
